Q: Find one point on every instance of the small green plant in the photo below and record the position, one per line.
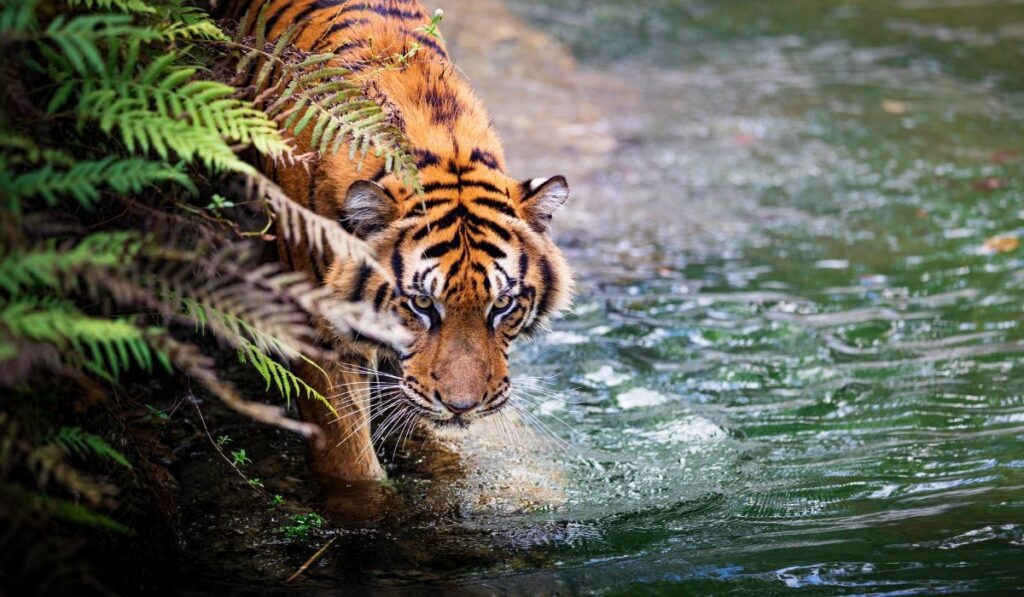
(256, 482)
(222, 441)
(431, 27)
(276, 501)
(303, 528)
(239, 458)
(217, 203)
(156, 415)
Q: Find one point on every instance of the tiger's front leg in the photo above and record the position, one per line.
(345, 451)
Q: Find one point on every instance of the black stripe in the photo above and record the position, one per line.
(314, 7)
(384, 11)
(442, 247)
(276, 13)
(420, 276)
(490, 249)
(492, 226)
(509, 281)
(548, 282)
(515, 317)
(453, 271)
(433, 186)
(397, 264)
(347, 23)
(397, 13)
(483, 184)
(361, 280)
(445, 221)
(483, 274)
(378, 299)
(496, 204)
(425, 158)
(288, 256)
(454, 168)
(484, 157)
(318, 259)
(318, 267)
(419, 207)
(349, 45)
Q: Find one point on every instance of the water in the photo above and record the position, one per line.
(795, 359)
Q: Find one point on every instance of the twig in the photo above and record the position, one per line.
(195, 402)
(311, 559)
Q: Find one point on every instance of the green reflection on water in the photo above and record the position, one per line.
(974, 39)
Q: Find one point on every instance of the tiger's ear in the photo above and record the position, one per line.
(368, 208)
(541, 199)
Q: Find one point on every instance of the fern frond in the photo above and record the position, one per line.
(73, 439)
(188, 359)
(276, 374)
(189, 23)
(49, 265)
(341, 114)
(45, 505)
(270, 327)
(173, 92)
(105, 347)
(147, 112)
(85, 180)
(47, 464)
(79, 38)
(299, 224)
(361, 318)
(308, 91)
(79, 514)
(129, 6)
(16, 150)
(18, 16)
(142, 130)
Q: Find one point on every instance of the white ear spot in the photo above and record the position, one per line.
(536, 182)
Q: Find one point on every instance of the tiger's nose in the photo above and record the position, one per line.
(459, 405)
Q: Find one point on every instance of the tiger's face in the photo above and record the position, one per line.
(473, 268)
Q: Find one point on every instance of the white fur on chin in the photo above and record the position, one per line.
(450, 432)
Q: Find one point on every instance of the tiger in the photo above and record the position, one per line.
(471, 260)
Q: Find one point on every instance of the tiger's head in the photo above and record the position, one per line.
(474, 268)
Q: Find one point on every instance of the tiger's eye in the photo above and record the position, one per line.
(423, 302)
(502, 302)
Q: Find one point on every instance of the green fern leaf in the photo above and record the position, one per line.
(278, 376)
(103, 346)
(129, 6)
(86, 180)
(73, 439)
(18, 16)
(46, 266)
(78, 38)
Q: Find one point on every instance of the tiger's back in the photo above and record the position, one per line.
(434, 106)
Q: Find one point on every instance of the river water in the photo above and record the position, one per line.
(795, 358)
